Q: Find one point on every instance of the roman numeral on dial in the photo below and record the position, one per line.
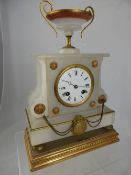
(74, 98)
(81, 74)
(86, 78)
(69, 98)
(86, 85)
(69, 75)
(76, 72)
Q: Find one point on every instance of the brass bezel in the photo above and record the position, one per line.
(58, 78)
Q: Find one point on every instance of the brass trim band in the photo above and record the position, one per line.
(44, 159)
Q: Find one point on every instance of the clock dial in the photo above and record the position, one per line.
(74, 85)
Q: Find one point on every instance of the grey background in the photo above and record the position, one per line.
(1, 56)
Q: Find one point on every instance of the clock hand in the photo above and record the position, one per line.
(75, 86)
(81, 86)
(87, 85)
(65, 81)
(69, 82)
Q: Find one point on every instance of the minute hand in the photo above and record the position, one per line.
(82, 86)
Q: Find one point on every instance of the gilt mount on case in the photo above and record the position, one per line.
(68, 148)
(66, 112)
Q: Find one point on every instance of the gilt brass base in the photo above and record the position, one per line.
(56, 151)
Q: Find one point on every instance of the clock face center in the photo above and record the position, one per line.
(74, 85)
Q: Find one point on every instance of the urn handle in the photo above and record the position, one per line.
(91, 10)
(44, 4)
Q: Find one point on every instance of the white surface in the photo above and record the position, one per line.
(25, 33)
(113, 159)
(69, 50)
(69, 25)
(39, 95)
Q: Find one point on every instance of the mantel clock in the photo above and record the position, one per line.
(66, 112)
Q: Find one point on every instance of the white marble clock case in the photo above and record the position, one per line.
(44, 93)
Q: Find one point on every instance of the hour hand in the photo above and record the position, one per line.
(68, 82)
(65, 81)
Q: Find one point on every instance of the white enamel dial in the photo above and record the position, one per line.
(74, 85)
